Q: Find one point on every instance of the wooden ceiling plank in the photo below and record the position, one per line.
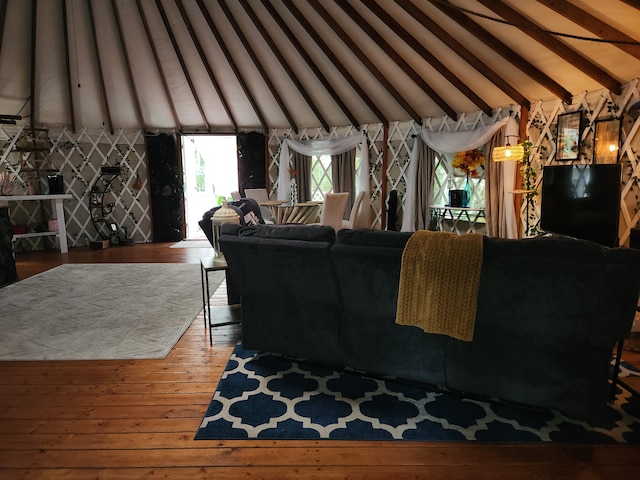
(428, 57)
(552, 43)
(206, 64)
(334, 61)
(276, 51)
(136, 98)
(504, 51)
(103, 89)
(316, 70)
(397, 58)
(309, 61)
(596, 26)
(365, 60)
(67, 58)
(232, 64)
(463, 52)
(258, 64)
(156, 58)
(176, 49)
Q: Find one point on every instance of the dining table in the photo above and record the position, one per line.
(302, 212)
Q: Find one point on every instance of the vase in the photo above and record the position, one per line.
(466, 203)
(294, 191)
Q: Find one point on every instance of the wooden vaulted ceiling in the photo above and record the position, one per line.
(234, 65)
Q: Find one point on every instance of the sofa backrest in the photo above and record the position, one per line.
(287, 284)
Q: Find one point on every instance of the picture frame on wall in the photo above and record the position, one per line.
(569, 136)
(606, 140)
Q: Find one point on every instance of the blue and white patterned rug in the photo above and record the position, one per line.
(264, 396)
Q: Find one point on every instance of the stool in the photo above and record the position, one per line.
(226, 315)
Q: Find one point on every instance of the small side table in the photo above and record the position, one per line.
(224, 315)
(615, 380)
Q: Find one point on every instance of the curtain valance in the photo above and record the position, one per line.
(446, 143)
(330, 146)
(453, 142)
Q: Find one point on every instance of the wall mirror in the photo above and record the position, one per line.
(606, 145)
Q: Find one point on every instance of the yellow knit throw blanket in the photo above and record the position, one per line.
(439, 280)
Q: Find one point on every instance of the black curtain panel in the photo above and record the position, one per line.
(8, 272)
(165, 188)
(251, 161)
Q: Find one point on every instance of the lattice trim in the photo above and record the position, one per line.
(78, 157)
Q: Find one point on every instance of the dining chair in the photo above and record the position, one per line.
(260, 195)
(355, 213)
(333, 209)
(235, 195)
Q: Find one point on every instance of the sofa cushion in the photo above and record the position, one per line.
(290, 300)
(367, 265)
(306, 233)
(364, 237)
(549, 312)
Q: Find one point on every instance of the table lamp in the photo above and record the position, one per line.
(221, 216)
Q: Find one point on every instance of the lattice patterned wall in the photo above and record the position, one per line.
(78, 158)
(401, 138)
(541, 128)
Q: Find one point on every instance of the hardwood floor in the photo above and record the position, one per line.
(136, 419)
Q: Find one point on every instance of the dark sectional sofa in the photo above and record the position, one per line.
(549, 312)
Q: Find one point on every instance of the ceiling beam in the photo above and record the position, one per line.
(67, 59)
(138, 107)
(596, 26)
(232, 64)
(463, 52)
(176, 49)
(633, 3)
(3, 19)
(96, 50)
(206, 64)
(334, 61)
(258, 64)
(156, 58)
(292, 75)
(32, 87)
(552, 43)
(365, 60)
(311, 64)
(504, 51)
(428, 57)
(397, 58)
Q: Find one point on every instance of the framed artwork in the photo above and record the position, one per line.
(606, 144)
(569, 134)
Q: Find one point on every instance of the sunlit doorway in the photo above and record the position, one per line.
(210, 166)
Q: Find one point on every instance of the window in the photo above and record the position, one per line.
(444, 179)
(321, 176)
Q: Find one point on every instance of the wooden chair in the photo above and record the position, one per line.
(355, 213)
(333, 209)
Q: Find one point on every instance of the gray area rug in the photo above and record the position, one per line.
(100, 311)
(192, 244)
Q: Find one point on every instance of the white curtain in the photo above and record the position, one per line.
(331, 146)
(447, 143)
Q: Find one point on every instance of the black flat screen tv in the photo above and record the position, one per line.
(582, 201)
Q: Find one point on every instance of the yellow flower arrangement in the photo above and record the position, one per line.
(469, 161)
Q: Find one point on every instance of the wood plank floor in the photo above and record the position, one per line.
(136, 419)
